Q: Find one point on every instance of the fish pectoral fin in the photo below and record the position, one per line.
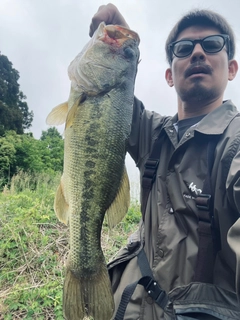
(120, 205)
(73, 110)
(58, 114)
(60, 205)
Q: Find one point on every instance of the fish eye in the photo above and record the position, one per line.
(129, 52)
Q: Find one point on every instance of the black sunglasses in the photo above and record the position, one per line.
(210, 44)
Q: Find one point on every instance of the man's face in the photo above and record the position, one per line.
(200, 76)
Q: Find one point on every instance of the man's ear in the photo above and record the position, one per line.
(232, 69)
(168, 77)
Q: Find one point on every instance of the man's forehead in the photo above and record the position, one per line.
(197, 32)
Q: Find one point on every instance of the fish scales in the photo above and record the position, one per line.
(94, 121)
(98, 117)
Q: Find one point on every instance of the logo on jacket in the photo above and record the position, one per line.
(194, 189)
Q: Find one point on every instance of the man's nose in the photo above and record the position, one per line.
(198, 53)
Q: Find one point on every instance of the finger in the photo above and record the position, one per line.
(109, 14)
(100, 16)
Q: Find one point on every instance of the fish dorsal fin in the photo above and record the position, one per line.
(120, 205)
(60, 205)
(58, 114)
(73, 110)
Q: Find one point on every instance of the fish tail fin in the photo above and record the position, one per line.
(88, 296)
(99, 300)
(73, 299)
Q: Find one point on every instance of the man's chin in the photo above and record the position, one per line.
(197, 93)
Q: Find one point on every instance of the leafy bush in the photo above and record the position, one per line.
(21, 152)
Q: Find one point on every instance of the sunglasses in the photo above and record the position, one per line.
(210, 44)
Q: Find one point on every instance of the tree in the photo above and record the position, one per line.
(14, 112)
(53, 145)
(22, 152)
(7, 157)
(51, 133)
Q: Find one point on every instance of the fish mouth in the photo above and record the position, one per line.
(198, 69)
(118, 35)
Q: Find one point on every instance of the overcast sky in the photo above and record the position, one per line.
(41, 38)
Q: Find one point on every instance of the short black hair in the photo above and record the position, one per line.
(206, 18)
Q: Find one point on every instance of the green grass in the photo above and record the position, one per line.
(34, 247)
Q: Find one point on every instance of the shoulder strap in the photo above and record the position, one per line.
(150, 172)
(208, 234)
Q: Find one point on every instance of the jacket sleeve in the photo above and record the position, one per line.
(233, 237)
(144, 127)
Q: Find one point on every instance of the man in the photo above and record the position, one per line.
(199, 166)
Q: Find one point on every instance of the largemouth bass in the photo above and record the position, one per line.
(97, 120)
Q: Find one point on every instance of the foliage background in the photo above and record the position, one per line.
(21, 152)
(14, 112)
(34, 247)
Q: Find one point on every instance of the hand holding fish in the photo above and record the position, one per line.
(108, 14)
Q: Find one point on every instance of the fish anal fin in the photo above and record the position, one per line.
(86, 297)
(61, 205)
(72, 112)
(58, 114)
(120, 205)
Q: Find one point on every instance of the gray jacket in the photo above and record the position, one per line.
(171, 222)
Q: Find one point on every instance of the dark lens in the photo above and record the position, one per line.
(182, 48)
(213, 44)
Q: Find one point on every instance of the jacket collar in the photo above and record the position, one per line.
(218, 120)
(214, 122)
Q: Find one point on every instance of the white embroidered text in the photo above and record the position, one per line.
(194, 189)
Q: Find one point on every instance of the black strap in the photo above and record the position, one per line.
(150, 172)
(148, 282)
(153, 290)
(144, 264)
(208, 239)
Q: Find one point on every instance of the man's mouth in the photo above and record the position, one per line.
(198, 69)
